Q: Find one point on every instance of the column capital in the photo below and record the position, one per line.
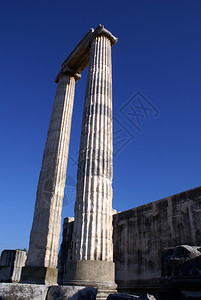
(68, 71)
(100, 30)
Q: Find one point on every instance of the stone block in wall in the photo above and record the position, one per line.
(11, 264)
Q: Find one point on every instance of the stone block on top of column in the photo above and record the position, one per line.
(68, 71)
(101, 30)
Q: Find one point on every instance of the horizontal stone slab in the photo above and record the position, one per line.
(71, 293)
(17, 291)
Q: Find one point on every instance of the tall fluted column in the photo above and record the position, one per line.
(92, 248)
(92, 236)
(44, 238)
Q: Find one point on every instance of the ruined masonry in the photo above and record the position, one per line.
(91, 261)
(11, 263)
(157, 246)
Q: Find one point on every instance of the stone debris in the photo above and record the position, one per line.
(71, 293)
(181, 267)
(12, 291)
(125, 296)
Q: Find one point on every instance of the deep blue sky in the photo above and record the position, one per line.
(158, 54)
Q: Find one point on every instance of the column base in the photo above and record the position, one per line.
(94, 273)
(39, 275)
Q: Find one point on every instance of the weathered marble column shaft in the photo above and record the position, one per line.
(92, 235)
(44, 238)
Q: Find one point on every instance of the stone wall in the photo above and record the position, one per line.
(141, 233)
